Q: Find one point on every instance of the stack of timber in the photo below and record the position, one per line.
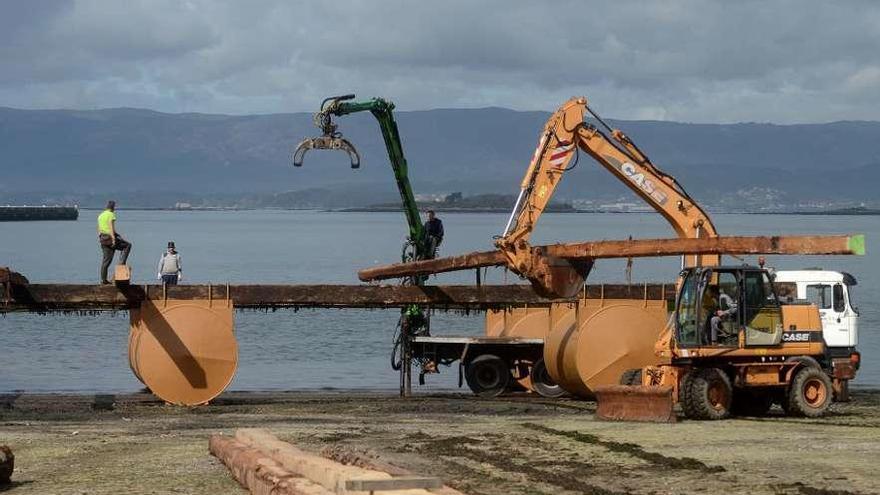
(266, 465)
(33, 213)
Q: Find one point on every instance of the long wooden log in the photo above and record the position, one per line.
(41, 298)
(7, 464)
(258, 472)
(333, 476)
(739, 245)
(351, 457)
(469, 261)
(634, 248)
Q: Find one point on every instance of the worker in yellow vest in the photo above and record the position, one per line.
(110, 240)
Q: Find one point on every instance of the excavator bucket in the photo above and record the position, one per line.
(635, 403)
(326, 143)
(558, 277)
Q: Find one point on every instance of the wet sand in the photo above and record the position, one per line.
(513, 445)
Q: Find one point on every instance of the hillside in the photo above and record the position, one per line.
(149, 155)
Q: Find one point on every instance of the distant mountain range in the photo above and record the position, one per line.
(156, 159)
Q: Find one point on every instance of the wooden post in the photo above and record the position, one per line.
(7, 464)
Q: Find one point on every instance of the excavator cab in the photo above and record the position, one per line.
(716, 304)
(330, 138)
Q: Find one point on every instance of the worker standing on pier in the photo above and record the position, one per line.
(433, 234)
(110, 240)
(170, 266)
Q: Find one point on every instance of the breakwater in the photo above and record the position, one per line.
(33, 213)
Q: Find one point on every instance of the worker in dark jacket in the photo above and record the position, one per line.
(433, 234)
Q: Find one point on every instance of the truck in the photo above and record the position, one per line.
(831, 292)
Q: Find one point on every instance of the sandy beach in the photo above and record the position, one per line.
(134, 443)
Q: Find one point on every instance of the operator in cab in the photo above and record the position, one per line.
(433, 234)
(726, 311)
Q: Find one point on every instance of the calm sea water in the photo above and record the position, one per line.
(326, 348)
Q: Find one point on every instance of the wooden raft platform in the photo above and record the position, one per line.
(16, 296)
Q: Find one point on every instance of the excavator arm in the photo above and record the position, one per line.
(413, 319)
(332, 139)
(563, 137)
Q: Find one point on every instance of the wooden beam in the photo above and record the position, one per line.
(368, 460)
(739, 245)
(43, 298)
(331, 475)
(478, 259)
(258, 472)
(634, 248)
(7, 464)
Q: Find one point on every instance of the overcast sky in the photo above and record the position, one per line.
(696, 61)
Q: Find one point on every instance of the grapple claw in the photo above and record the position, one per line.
(326, 143)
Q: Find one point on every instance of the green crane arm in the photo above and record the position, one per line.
(382, 110)
(331, 139)
(413, 320)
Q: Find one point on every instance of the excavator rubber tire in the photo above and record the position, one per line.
(751, 402)
(809, 394)
(542, 383)
(487, 375)
(631, 377)
(706, 393)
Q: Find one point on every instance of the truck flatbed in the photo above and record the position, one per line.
(477, 340)
(489, 365)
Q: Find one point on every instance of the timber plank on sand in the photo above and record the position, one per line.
(331, 475)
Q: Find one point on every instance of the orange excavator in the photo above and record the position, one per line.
(730, 343)
(563, 137)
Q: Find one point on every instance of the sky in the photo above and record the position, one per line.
(797, 61)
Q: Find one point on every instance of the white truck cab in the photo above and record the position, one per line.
(831, 292)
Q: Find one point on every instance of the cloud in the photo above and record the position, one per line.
(691, 60)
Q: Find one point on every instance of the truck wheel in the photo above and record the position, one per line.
(751, 402)
(809, 393)
(487, 375)
(543, 383)
(706, 394)
(631, 377)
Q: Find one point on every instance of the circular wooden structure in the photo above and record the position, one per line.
(596, 343)
(184, 351)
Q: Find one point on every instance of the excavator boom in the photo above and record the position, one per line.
(565, 134)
